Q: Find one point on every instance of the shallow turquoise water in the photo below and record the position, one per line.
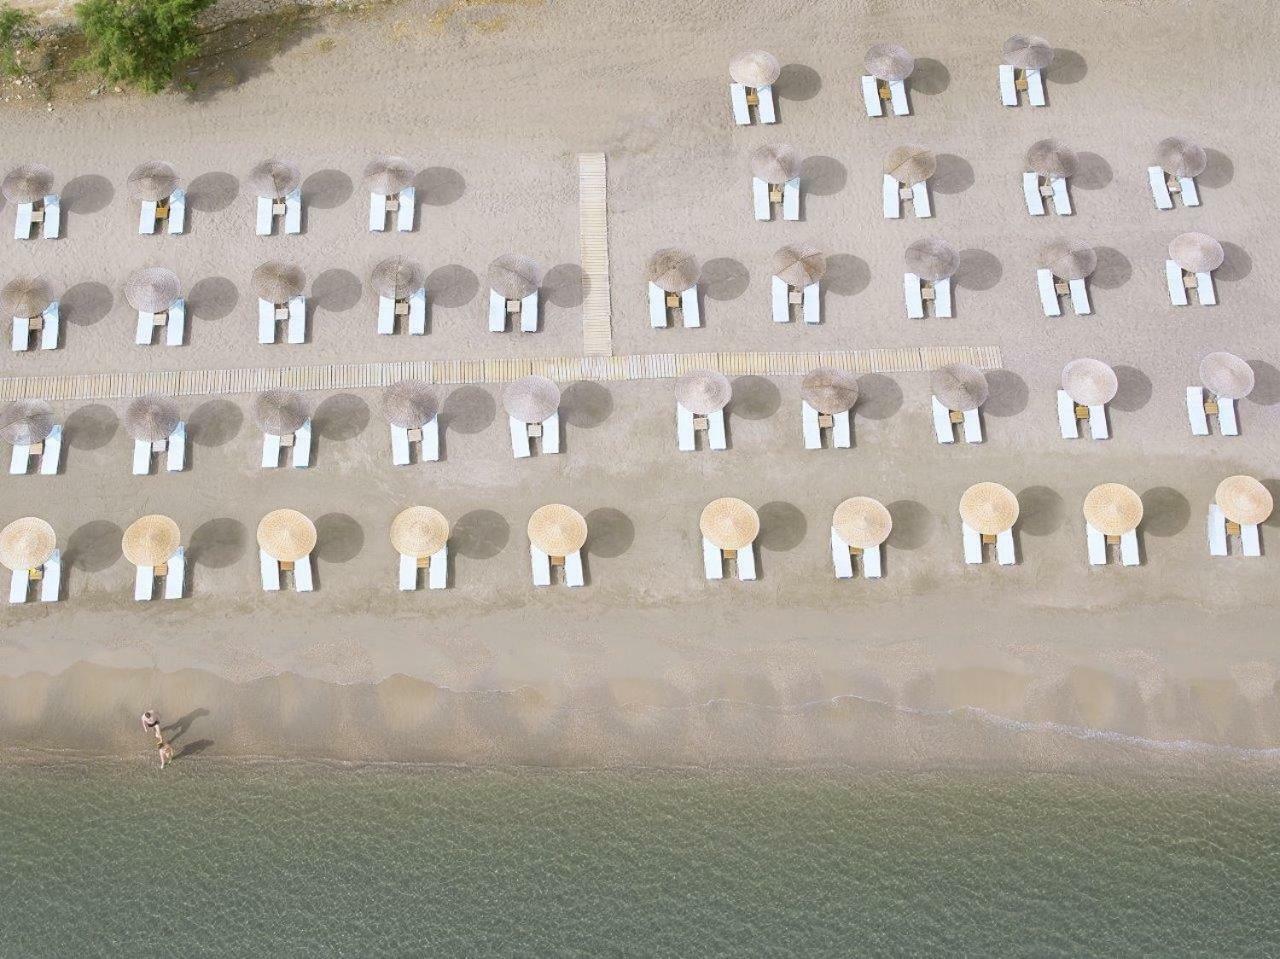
(220, 859)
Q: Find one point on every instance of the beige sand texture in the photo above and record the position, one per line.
(650, 662)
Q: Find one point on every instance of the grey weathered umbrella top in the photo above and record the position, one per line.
(387, 175)
(513, 276)
(1051, 158)
(274, 178)
(26, 422)
(754, 68)
(932, 258)
(775, 162)
(1226, 375)
(1196, 252)
(152, 289)
(673, 270)
(910, 164)
(703, 391)
(408, 404)
(25, 296)
(151, 418)
(889, 62)
(280, 412)
(154, 180)
(1068, 259)
(959, 386)
(397, 278)
(1181, 157)
(277, 282)
(1089, 382)
(829, 390)
(27, 183)
(531, 399)
(1027, 52)
(798, 264)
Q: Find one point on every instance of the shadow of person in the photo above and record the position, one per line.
(193, 748)
(178, 728)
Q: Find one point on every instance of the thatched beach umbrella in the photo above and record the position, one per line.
(277, 282)
(959, 386)
(25, 297)
(1226, 375)
(408, 404)
(862, 522)
(388, 175)
(154, 180)
(910, 164)
(151, 418)
(531, 399)
(286, 535)
(1196, 252)
(799, 264)
(702, 392)
(397, 278)
(989, 508)
(1068, 259)
(273, 179)
(28, 183)
(514, 276)
(1089, 382)
(1243, 500)
(419, 531)
(932, 258)
(557, 530)
(26, 422)
(280, 412)
(1181, 157)
(754, 68)
(151, 540)
(672, 270)
(729, 523)
(26, 543)
(1027, 52)
(889, 62)
(1051, 158)
(152, 289)
(1113, 509)
(829, 390)
(775, 163)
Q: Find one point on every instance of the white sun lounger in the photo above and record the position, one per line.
(429, 439)
(1129, 549)
(1227, 417)
(293, 211)
(1177, 291)
(1005, 550)
(271, 573)
(746, 561)
(738, 102)
(520, 443)
(686, 432)
(1049, 301)
(1205, 291)
(529, 313)
(871, 97)
(418, 313)
(176, 449)
(22, 221)
(765, 109)
(50, 454)
(141, 457)
(811, 423)
(1035, 88)
(1250, 540)
(658, 311)
(1009, 88)
(264, 221)
(1190, 195)
(944, 429)
(147, 220)
(1061, 198)
(898, 97)
(790, 199)
(437, 566)
(296, 331)
(49, 324)
(942, 298)
(842, 559)
(1160, 189)
(177, 212)
(266, 321)
(760, 199)
(1198, 418)
(386, 316)
(51, 221)
(1080, 297)
(1031, 193)
(497, 312)
(50, 581)
(1070, 426)
(144, 580)
(780, 298)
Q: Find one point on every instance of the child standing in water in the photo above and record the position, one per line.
(165, 751)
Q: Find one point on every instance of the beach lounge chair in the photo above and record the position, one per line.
(298, 445)
(1241, 504)
(945, 422)
(918, 293)
(413, 307)
(896, 193)
(715, 560)
(805, 299)
(523, 435)
(975, 543)
(1222, 530)
(293, 314)
(173, 573)
(436, 565)
(46, 211)
(688, 425)
(843, 556)
(753, 74)
(1052, 289)
(273, 573)
(173, 320)
(287, 208)
(1164, 188)
(1099, 547)
(153, 544)
(532, 404)
(1014, 81)
(427, 435)
(888, 65)
(420, 537)
(1192, 259)
(1037, 189)
(513, 290)
(400, 204)
(1071, 414)
(839, 426)
(1225, 378)
(171, 211)
(412, 416)
(29, 549)
(1088, 385)
(286, 542)
(173, 450)
(47, 324)
(542, 565)
(1112, 513)
(988, 512)
(48, 576)
(665, 307)
(775, 181)
(48, 453)
(930, 263)
(1181, 282)
(797, 271)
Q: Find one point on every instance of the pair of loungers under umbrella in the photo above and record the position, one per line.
(284, 417)
(411, 411)
(278, 186)
(153, 544)
(155, 293)
(1023, 59)
(401, 286)
(1178, 162)
(29, 550)
(37, 205)
(1241, 504)
(775, 181)
(30, 302)
(672, 276)
(930, 263)
(161, 199)
(29, 427)
(1189, 269)
(279, 288)
(905, 181)
(158, 431)
(389, 180)
(1224, 379)
(752, 75)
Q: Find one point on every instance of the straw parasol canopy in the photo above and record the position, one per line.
(27, 183)
(889, 62)
(531, 399)
(286, 535)
(152, 289)
(277, 282)
(754, 68)
(154, 180)
(514, 276)
(729, 523)
(1243, 500)
(1181, 157)
(1113, 509)
(151, 540)
(910, 164)
(1089, 382)
(1027, 52)
(959, 386)
(280, 412)
(673, 270)
(1068, 259)
(26, 422)
(397, 278)
(703, 391)
(274, 178)
(798, 265)
(387, 175)
(1226, 375)
(151, 418)
(557, 530)
(932, 258)
(829, 390)
(989, 508)
(408, 404)
(775, 162)
(1196, 252)
(419, 531)
(862, 522)
(1051, 158)
(25, 296)
(26, 543)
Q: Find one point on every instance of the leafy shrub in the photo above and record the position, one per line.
(140, 42)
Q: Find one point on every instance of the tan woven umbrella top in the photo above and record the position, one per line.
(151, 540)
(419, 531)
(959, 386)
(557, 530)
(280, 412)
(1068, 259)
(754, 68)
(775, 162)
(1243, 500)
(151, 418)
(274, 178)
(703, 391)
(1089, 382)
(1226, 375)
(397, 278)
(27, 183)
(408, 404)
(862, 522)
(889, 62)
(1181, 157)
(286, 535)
(277, 282)
(152, 289)
(672, 270)
(514, 276)
(799, 264)
(910, 164)
(387, 175)
(1051, 158)
(989, 508)
(1196, 252)
(25, 297)
(829, 390)
(26, 422)
(26, 543)
(531, 399)
(154, 180)
(932, 258)
(1027, 52)
(1113, 509)
(729, 523)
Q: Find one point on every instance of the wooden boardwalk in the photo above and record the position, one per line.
(593, 251)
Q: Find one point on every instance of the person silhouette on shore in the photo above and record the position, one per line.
(165, 751)
(151, 722)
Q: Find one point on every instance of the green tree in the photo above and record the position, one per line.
(140, 42)
(17, 32)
